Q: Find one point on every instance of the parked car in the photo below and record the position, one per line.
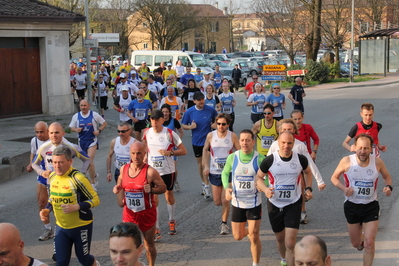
(255, 67)
(242, 65)
(242, 54)
(227, 57)
(218, 57)
(226, 72)
(260, 54)
(345, 72)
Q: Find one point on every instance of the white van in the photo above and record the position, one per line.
(154, 59)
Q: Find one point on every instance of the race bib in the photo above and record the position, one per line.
(285, 193)
(259, 107)
(220, 163)
(227, 109)
(121, 161)
(277, 111)
(144, 74)
(267, 141)
(191, 96)
(363, 190)
(158, 162)
(140, 114)
(135, 201)
(245, 184)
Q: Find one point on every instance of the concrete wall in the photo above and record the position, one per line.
(54, 62)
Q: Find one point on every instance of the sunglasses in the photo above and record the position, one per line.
(267, 113)
(138, 94)
(223, 124)
(254, 78)
(277, 88)
(123, 131)
(118, 228)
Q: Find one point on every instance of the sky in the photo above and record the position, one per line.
(238, 4)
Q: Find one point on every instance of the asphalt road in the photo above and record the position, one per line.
(331, 112)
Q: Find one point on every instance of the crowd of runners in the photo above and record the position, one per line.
(276, 156)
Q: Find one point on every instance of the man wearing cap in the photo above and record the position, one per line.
(125, 83)
(134, 78)
(236, 76)
(126, 65)
(249, 88)
(144, 70)
(162, 144)
(121, 104)
(186, 76)
(138, 112)
(154, 86)
(205, 82)
(168, 71)
(200, 119)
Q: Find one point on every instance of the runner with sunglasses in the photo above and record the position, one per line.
(265, 130)
(120, 147)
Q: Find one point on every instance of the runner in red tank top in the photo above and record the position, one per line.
(367, 126)
(134, 191)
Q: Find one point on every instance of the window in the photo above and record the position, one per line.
(140, 58)
(184, 60)
(248, 25)
(214, 26)
(163, 58)
(145, 45)
(213, 47)
(185, 46)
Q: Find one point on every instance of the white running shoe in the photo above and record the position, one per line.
(47, 234)
(224, 229)
(207, 191)
(304, 218)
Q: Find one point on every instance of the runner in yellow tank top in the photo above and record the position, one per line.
(265, 130)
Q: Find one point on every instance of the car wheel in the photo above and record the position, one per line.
(244, 82)
(253, 72)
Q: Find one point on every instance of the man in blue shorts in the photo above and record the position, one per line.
(41, 130)
(218, 145)
(88, 124)
(200, 119)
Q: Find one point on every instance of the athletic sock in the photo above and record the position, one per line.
(48, 226)
(255, 264)
(171, 211)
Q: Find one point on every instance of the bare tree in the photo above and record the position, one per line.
(115, 18)
(373, 10)
(313, 37)
(76, 6)
(232, 8)
(283, 22)
(166, 20)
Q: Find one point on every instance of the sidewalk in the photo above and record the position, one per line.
(17, 132)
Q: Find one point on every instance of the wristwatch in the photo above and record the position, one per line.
(171, 153)
(310, 188)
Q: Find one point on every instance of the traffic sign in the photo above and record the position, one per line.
(274, 73)
(89, 43)
(276, 78)
(274, 67)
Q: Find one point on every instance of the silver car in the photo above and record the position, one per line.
(226, 71)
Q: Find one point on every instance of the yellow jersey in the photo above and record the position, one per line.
(266, 137)
(72, 188)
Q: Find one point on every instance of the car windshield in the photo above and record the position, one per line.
(199, 60)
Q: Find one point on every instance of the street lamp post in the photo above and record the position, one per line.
(352, 41)
(88, 63)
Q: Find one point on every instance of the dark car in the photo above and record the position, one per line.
(242, 54)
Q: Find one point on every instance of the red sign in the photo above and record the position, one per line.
(274, 73)
(300, 72)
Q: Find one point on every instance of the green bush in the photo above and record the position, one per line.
(334, 69)
(317, 71)
(293, 67)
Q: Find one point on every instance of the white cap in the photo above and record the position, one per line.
(122, 75)
(125, 62)
(133, 72)
(124, 88)
(169, 64)
(144, 62)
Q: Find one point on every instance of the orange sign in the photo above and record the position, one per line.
(274, 67)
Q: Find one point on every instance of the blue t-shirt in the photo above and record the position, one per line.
(278, 110)
(203, 118)
(198, 78)
(140, 110)
(227, 100)
(261, 99)
(217, 77)
(184, 79)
